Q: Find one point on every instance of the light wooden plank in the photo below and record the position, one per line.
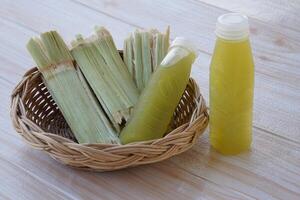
(4, 196)
(272, 45)
(197, 20)
(87, 186)
(267, 172)
(125, 184)
(273, 164)
(270, 171)
(64, 16)
(17, 185)
(272, 59)
(277, 12)
(198, 24)
(277, 84)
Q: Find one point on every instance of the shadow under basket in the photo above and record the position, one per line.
(38, 120)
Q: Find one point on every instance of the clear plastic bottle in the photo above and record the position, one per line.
(155, 108)
(231, 86)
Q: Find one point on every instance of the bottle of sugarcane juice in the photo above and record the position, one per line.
(231, 86)
(158, 101)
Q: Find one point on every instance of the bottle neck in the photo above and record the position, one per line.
(232, 35)
(244, 39)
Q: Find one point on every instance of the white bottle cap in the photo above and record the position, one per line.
(232, 26)
(184, 43)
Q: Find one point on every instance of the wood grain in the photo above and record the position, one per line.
(269, 171)
(274, 62)
(144, 180)
(286, 121)
(276, 12)
(274, 51)
(14, 179)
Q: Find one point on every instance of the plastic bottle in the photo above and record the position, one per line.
(155, 108)
(231, 86)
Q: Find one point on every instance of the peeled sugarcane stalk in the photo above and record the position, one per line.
(138, 60)
(160, 47)
(146, 56)
(128, 56)
(142, 42)
(98, 75)
(104, 58)
(84, 116)
(95, 70)
(143, 52)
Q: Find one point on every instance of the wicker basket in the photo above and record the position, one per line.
(38, 120)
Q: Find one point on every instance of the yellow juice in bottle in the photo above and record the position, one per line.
(158, 101)
(231, 86)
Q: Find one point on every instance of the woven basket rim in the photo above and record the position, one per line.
(106, 157)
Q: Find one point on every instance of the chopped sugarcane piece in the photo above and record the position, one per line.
(95, 70)
(118, 70)
(160, 46)
(146, 56)
(101, 79)
(84, 116)
(128, 55)
(143, 52)
(158, 50)
(138, 59)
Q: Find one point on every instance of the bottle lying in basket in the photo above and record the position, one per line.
(154, 110)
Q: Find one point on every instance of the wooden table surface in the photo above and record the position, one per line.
(271, 170)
